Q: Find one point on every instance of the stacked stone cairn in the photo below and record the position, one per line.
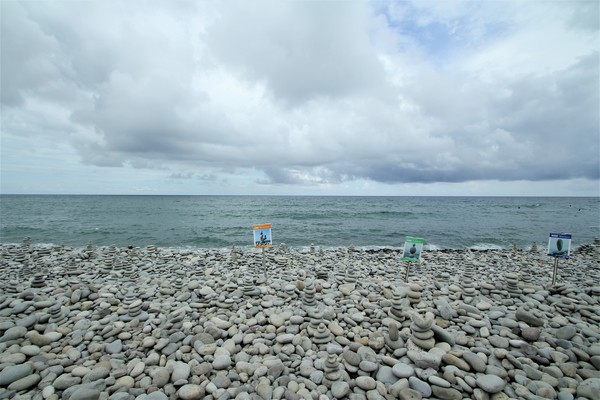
(414, 294)
(468, 285)
(422, 334)
(398, 307)
(512, 284)
(249, 286)
(308, 299)
(38, 281)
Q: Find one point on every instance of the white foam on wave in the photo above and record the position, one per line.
(485, 246)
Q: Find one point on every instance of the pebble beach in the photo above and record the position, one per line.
(153, 323)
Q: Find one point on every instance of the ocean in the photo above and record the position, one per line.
(201, 222)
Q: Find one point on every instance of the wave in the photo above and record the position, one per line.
(485, 246)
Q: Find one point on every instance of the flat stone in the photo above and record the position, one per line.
(14, 333)
(436, 380)
(442, 335)
(366, 383)
(181, 370)
(446, 393)
(114, 347)
(425, 359)
(90, 391)
(566, 332)
(402, 370)
(528, 317)
(498, 342)
(457, 362)
(65, 381)
(25, 382)
(386, 375)
(420, 386)
(190, 392)
(409, 394)
(531, 334)
(125, 382)
(351, 357)
(160, 377)
(13, 373)
(221, 362)
(491, 383)
(476, 362)
(340, 389)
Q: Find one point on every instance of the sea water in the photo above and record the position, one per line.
(298, 221)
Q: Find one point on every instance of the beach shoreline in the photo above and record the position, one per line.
(154, 323)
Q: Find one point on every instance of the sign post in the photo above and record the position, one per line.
(559, 246)
(412, 252)
(262, 240)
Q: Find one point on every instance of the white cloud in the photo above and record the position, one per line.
(324, 96)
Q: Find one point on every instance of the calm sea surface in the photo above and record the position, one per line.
(221, 221)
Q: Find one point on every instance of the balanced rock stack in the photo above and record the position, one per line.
(38, 281)
(512, 284)
(468, 285)
(398, 307)
(332, 367)
(308, 300)
(414, 294)
(249, 286)
(393, 341)
(422, 334)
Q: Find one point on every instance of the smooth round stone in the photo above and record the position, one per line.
(190, 392)
(351, 357)
(114, 347)
(30, 350)
(65, 381)
(366, 383)
(436, 380)
(446, 393)
(491, 383)
(420, 386)
(368, 366)
(14, 333)
(28, 321)
(589, 388)
(285, 338)
(13, 373)
(531, 334)
(125, 382)
(566, 332)
(386, 375)
(409, 394)
(221, 362)
(80, 371)
(24, 383)
(181, 370)
(14, 358)
(340, 389)
(476, 362)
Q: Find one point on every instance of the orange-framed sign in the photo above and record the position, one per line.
(262, 236)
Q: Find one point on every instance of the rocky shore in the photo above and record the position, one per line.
(130, 323)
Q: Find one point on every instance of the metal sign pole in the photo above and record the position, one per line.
(407, 271)
(263, 262)
(555, 270)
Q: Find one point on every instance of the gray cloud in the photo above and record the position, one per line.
(323, 93)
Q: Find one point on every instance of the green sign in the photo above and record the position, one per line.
(412, 249)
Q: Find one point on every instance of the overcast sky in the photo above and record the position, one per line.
(300, 97)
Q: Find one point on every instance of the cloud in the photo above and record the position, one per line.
(309, 93)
